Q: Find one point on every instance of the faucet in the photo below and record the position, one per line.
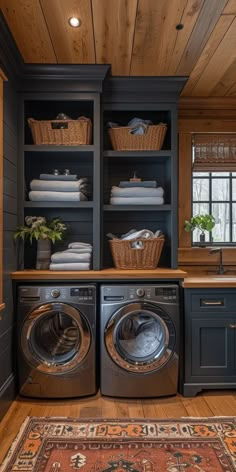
(219, 250)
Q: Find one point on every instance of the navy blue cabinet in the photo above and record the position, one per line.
(210, 335)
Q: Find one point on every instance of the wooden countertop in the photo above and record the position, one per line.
(204, 281)
(96, 275)
(210, 281)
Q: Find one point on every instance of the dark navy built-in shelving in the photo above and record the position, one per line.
(80, 91)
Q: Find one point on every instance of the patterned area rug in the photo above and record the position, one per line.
(67, 445)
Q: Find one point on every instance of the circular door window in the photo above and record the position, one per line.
(140, 339)
(55, 338)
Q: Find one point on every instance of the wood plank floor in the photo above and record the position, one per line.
(210, 403)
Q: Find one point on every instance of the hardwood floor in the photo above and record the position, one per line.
(210, 403)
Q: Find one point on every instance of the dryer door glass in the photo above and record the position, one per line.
(58, 338)
(139, 338)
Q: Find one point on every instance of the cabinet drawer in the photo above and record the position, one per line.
(212, 300)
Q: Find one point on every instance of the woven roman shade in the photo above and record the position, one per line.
(214, 152)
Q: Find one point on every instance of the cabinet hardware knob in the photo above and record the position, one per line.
(205, 302)
(233, 326)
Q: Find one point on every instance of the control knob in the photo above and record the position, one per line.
(140, 292)
(55, 293)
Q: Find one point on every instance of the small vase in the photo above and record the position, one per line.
(202, 238)
(43, 257)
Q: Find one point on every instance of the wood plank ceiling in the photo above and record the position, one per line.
(137, 37)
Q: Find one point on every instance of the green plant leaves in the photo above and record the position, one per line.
(37, 227)
(202, 222)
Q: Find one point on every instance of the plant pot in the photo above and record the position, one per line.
(202, 238)
(43, 257)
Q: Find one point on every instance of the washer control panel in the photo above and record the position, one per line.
(55, 293)
(156, 293)
(64, 293)
(140, 292)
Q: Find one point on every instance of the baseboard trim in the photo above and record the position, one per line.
(7, 395)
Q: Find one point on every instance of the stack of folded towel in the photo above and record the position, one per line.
(76, 257)
(63, 188)
(137, 193)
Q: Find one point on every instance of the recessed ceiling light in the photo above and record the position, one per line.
(74, 22)
(179, 26)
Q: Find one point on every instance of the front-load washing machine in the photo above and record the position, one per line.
(56, 340)
(139, 340)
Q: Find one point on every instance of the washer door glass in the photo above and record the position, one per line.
(140, 338)
(55, 338)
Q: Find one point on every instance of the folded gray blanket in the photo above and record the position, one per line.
(136, 200)
(65, 256)
(143, 183)
(79, 245)
(70, 266)
(59, 186)
(47, 196)
(137, 192)
(58, 177)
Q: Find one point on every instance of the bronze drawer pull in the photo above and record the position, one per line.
(233, 326)
(210, 302)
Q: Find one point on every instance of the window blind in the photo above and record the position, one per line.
(214, 152)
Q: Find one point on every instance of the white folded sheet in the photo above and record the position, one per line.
(70, 266)
(137, 192)
(58, 186)
(79, 245)
(136, 200)
(46, 196)
(65, 256)
(83, 250)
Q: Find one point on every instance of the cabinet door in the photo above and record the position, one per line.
(213, 348)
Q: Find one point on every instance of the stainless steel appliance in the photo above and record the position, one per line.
(56, 340)
(139, 340)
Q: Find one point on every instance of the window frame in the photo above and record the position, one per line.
(197, 117)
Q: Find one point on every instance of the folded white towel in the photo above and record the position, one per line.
(137, 192)
(79, 245)
(65, 256)
(136, 200)
(70, 266)
(83, 250)
(46, 196)
(58, 186)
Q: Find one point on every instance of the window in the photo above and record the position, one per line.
(214, 185)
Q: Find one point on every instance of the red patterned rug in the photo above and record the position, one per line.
(68, 445)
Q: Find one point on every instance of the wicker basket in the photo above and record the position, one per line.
(67, 132)
(122, 139)
(147, 256)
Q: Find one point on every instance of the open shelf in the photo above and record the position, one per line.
(58, 204)
(137, 207)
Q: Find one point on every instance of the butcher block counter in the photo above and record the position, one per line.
(210, 281)
(99, 275)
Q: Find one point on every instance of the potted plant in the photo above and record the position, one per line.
(202, 222)
(44, 232)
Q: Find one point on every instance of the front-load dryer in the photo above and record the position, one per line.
(56, 340)
(139, 329)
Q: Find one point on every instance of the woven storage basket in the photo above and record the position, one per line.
(122, 139)
(127, 257)
(67, 132)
